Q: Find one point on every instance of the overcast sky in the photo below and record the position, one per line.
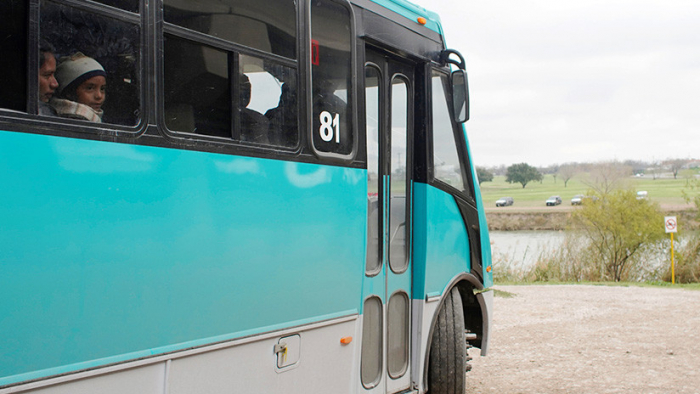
(554, 81)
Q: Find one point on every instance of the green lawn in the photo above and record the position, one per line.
(665, 191)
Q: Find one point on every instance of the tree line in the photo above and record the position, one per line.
(524, 173)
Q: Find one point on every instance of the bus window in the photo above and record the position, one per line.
(446, 164)
(374, 218)
(197, 88)
(113, 43)
(127, 5)
(372, 325)
(217, 90)
(331, 77)
(398, 334)
(198, 95)
(269, 25)
(13, 45)
(270, 99)
(398, 230)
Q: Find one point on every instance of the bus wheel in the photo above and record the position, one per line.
(448, 352)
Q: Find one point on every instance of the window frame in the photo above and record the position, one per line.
(233, 51)
(459, 135)
(332, 157)
(410, 115)
(377, 269)
(84, 127)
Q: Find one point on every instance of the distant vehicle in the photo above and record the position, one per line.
(641, 195)
(504, 201)
(578, 199)
(552, 201)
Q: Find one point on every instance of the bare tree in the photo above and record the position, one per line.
(568, 171)
(653, 169)
(605, 177)
(675, 165)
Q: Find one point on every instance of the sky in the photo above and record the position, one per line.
(556, 81)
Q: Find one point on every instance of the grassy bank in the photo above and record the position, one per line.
(514, 220)
(529, 211)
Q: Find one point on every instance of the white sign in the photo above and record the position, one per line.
(671, 224)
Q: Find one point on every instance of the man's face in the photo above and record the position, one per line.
(47, 80)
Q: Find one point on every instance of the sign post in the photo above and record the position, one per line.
(671, 227)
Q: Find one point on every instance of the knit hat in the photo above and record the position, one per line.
(76, 69)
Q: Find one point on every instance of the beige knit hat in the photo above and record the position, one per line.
(75, 69)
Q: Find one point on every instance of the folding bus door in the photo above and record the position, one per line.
(389, 85)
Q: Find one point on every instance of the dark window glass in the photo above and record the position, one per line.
(112, 43)
(197, 88)
(266, 25)
(199, 99)
(331, 76)
(13, 46)
(128, 5)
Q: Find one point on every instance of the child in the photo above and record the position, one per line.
(81, 88)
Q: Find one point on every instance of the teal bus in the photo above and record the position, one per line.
(236, 196)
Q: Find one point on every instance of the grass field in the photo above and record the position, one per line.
(667, 191)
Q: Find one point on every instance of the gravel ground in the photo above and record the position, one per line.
(591, 339)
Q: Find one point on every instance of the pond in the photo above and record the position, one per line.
(519, 251)
(521, 248)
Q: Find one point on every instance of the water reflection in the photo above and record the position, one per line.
(520, 249)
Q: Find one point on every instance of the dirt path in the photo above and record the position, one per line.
(591, 339)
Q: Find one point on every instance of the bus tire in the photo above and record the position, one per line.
(448, 351)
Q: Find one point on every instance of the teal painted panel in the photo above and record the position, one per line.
(486, 258)
(374, 286)
(441, 246)
(112, 250)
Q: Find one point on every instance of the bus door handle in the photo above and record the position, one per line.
(281, 348)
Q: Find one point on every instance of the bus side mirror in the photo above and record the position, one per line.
(460, 96)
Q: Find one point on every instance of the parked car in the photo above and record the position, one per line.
(641, 195)
(552, 201)
(504, 201)
(578, 199)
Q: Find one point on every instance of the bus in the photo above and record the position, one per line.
(236, 196)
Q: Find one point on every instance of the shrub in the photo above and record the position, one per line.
(618, 227)
(687, 261)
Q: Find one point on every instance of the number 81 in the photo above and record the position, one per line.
(330, 125)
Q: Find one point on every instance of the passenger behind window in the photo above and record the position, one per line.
(254, 125)
(47, 78)
(283, 119)
(82, 87)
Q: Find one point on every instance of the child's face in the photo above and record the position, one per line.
(92, 92)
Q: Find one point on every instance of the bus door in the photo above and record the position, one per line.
(389, 86)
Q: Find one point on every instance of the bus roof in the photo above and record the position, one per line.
(412, 11)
